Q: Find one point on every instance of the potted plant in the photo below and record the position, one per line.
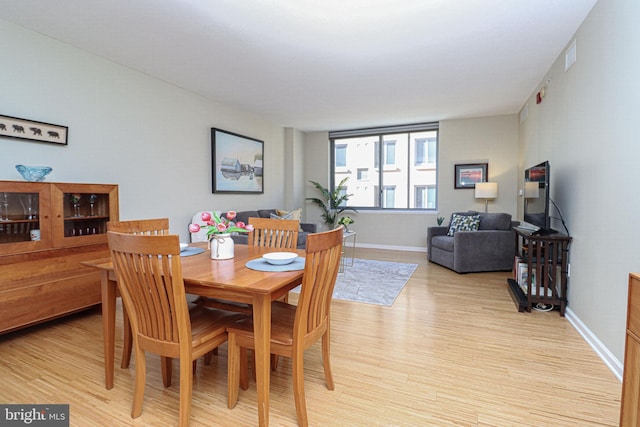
(345, 220)
(332, 203)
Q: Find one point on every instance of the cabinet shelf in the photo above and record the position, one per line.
(540, 271)
(43, 245)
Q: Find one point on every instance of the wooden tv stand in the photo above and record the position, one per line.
(540, 270)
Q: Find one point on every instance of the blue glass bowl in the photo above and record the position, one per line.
(33, 173)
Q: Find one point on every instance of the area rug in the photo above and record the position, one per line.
(372, 282)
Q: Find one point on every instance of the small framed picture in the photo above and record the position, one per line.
(237, 163)
(468, 174)
(13, 127)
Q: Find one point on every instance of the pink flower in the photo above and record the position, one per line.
(219, 224)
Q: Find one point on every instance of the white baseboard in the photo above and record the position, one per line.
(601, 350)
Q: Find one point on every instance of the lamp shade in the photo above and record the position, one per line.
(486, 190)
(531, 190)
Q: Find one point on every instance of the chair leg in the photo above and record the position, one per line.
(233, 371)
(138, 389)
(298, 387)
(325, 360)
(186, 390)
(209, 356)
(244, 368)
(167, 370)
(127, 340)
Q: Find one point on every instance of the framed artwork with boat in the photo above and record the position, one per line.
(237, 163)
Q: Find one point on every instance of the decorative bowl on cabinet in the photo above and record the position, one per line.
(33, 173)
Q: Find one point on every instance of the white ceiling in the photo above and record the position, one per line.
(326, 64)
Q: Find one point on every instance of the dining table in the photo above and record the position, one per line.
(230, 280)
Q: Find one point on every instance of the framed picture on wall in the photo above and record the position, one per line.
(30, 130)
(237, 163)
(468, 174)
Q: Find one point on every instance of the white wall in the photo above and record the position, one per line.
(151, 138)
(492, 140)
(587, 127)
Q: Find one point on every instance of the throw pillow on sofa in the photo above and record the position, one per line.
(463, 223)
(295, 214)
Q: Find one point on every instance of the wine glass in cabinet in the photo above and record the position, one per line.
(24, 217)
(81, 213)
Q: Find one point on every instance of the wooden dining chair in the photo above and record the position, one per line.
(149, 273)
(294, 328)
(274, 233)
(155, 226)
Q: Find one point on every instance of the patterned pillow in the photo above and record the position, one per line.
(294, 214)
(463, 223)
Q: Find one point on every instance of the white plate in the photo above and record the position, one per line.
(183, 246)
(280, 258)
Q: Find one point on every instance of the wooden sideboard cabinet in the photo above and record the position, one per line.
(630, 407)
(46, 231)
(540, 270)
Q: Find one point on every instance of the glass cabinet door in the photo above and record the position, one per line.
(82, 212)
(24, 217)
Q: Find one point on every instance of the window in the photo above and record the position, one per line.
(363, 174)
(426, 150)
(389, 153)
(341, 155)
(390, 168)
(389, 197)
(425, 197)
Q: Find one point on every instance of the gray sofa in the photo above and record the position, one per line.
(491, 248)
(244, 216)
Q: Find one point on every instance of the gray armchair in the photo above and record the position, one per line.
(491, 248)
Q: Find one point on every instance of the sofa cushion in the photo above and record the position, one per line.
(463, 223)
(265, 213)
(443, 242)
(495, 221)
(245, 215)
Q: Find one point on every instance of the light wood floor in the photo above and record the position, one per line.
(452, 351)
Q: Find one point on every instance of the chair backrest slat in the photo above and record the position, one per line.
(274, 233)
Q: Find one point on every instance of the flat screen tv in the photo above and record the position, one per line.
(537, 198)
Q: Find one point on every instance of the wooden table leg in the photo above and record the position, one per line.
(262, 352)
(108, 288)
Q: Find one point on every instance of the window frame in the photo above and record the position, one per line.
(381, 145)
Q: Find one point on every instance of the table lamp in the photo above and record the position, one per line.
(486, 191)
(531, 191)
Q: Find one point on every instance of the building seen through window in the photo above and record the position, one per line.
(388, 168)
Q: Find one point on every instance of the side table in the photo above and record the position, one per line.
(343, 262)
